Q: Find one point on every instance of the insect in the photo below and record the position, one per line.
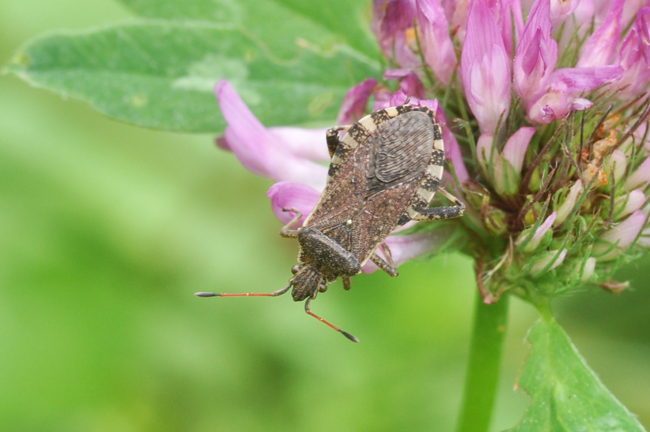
(384, 172)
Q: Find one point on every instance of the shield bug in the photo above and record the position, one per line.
(384, 172)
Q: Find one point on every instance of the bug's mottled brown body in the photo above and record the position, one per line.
(384, 173)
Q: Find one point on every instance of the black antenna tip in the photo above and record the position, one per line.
(349, 336)
(207, 294)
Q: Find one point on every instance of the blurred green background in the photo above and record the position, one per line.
(106, 231)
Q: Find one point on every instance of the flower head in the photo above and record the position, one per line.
(546, 138)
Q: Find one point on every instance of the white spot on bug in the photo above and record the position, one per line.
(425, 194)
(391, 111)
(435, 171)
(349, 142)
(349, 222)
(368, 123)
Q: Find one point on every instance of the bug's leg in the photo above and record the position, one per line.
(332, 137)
(273, 294)
(379, 261)
(346, 283)
(287, 230)
(389, 255)
(438, 213)
(344, 333)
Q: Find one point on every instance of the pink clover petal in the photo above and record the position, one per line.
(382, 98)
(639, 135)
(259, 150)
(399, 16)
(404, 55)
(355, 102)
(555, 105)
(459, 19)
(569, 203)
(600, 48)
(551, 258)
(485, 68)
(304, 143)
(518, 15)
(391, 19)
(583, 14)
(536, 54)
(622, 235)
(634, 57)
(410, 84)
(291, 195)
(222, 143)
(579, 104)
(539, 234)
(484, 151)
(561, 9)
(437, 46)
(632, 9)
(572, 80)
(396, 74)
(433, 105)
(642, 24)
(548, 108)
(501, 10)
(399, 98)
(633, 202)
(513, 152)
(618, 163)
(640, 177)
(515, 149)
(410, 246)
(452, 150)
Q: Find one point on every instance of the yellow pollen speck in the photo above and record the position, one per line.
(595, 165)
(411, 39)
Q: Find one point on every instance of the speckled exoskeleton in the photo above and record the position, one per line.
(384, 172)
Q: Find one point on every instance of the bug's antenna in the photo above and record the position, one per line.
(344, 333)
(273, 294)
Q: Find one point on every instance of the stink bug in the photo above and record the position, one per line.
(384, 172)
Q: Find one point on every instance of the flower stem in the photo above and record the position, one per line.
(484, 365)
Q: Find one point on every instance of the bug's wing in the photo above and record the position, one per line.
(379, 217)
(400, 150)
(399, 153)
(344, 194)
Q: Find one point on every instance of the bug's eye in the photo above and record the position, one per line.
(295, 269)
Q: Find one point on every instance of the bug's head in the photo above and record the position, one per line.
(306, 282)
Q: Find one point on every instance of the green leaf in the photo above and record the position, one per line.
(322, 23)
(161, 74)
(566, 395)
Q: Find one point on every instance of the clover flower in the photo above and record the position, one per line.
(545, 128)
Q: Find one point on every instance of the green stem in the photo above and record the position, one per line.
(488, 334)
